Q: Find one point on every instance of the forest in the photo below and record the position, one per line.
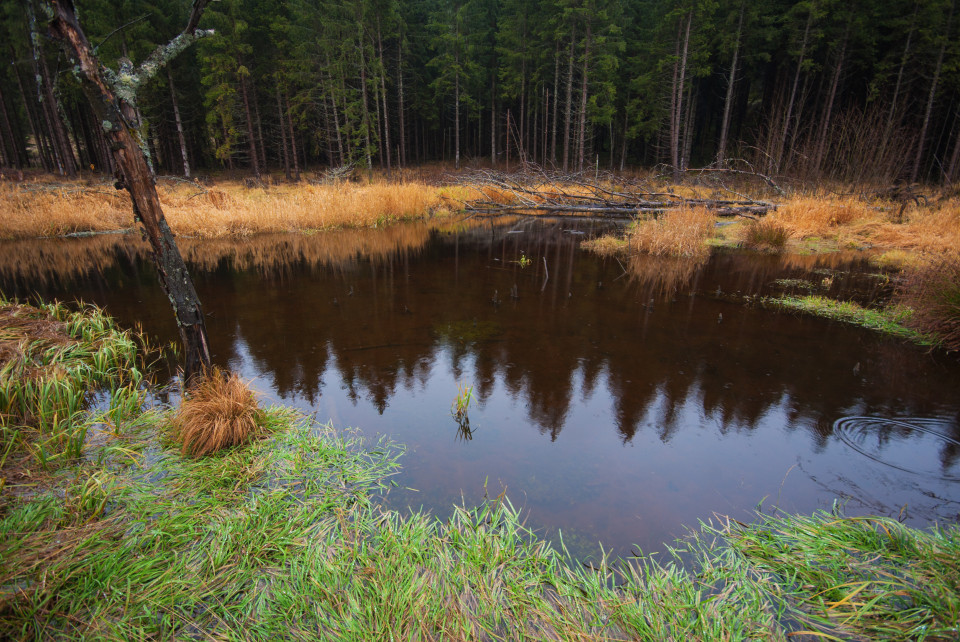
(865, 92)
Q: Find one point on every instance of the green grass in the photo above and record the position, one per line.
(285, 538)
(890, 320)
(51, 358)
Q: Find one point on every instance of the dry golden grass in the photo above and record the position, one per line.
(43, 261)
(217, 412)
(228, 209)
(853, 222)
(606, 246)
(679, 233)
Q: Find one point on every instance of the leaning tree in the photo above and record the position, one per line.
(112, 95)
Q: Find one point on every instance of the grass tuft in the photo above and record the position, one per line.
(933, 292)
(217, 412)
(679, 233)
(765, 235)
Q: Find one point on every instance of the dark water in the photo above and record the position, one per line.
(617, 402)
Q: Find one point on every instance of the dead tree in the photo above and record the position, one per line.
(536, 190)
(112, 96)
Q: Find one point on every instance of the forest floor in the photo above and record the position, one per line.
(107, 531)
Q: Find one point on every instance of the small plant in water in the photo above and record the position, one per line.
(462, 401)
(524, 260)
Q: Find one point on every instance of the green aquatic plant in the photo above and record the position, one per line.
(893, 320)
(524, 260)
(462, 401)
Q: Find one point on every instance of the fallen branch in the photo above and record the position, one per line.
(535, 190)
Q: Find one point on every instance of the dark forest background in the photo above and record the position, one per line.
(852, 90)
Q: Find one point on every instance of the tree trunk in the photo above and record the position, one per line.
(383, 91)
(456, 118)
(725, 123)
(283, 136)
(58, 133)
(252, 143)
(366, 110)
(556, 83)
(10, 148)
(493, 121)
(293, 140)
(921, 140)
(679, 77)
(954, 166)
(135, 176)
(180, 135)
(828, 110)
(581, 146)
(32, 119)
(256, 117)
(782, 142)
(891, 116)
(403, 127)
(567, 107)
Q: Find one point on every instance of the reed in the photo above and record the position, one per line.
(50, 358)
(765, 235)
(218, 412)
(228, 209)
(680, 233)
(461, 403)
(932, 291)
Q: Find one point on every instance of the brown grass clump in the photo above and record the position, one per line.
(680, 233)
(933, 292)
(606, 246)
(217, 412)
(766, 236)
(821, 216)
(229, 209)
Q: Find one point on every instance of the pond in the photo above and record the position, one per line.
(613, 401)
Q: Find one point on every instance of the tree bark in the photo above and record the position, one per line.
(134, 175)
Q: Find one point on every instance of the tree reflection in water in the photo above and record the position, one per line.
(656, 391)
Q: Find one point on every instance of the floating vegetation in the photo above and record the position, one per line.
(794, 284)
(890, 320)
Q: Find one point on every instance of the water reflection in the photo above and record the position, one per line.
(616, 401)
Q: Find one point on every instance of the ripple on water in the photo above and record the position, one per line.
(918, 445)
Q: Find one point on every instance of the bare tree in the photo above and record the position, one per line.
(112, 97)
